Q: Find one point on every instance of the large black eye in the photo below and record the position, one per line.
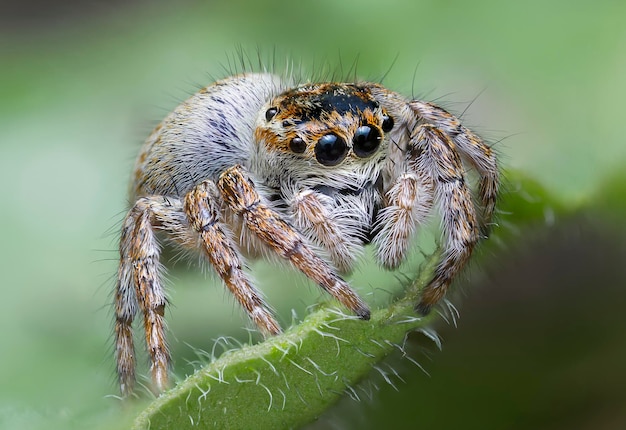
(271, 113)
(331, 150)
(365, 141)
(387, 123)
(297, 145)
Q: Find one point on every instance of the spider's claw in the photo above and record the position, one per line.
(431, 295)
(345, 295)
(363, 313)
(423, 309)
(360, 308)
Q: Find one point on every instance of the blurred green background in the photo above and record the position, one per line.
(541, 342)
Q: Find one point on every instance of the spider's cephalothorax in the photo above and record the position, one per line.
(311, 174)
(322, 150)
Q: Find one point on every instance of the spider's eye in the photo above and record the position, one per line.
(297, 145)
(331, 150)
(271, 113)
(366, 141)
(387, 123)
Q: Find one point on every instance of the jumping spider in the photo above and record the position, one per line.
(313, 173)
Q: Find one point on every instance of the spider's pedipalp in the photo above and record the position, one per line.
(239, 193)
(310, 215)
(410, 201)
(439, 159)
(203, 213)
(473, 149)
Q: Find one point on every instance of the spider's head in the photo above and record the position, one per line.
(325, 125)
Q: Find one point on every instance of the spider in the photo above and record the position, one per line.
(252, 165)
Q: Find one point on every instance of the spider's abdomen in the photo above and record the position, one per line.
(202, 137)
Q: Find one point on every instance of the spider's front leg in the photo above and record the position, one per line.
(435, 154)
(430, 165)
(239, 193)
(473, 149)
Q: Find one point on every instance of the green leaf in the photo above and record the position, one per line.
(290, 379)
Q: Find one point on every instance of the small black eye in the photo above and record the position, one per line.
(297, 145)
(366, 141)
(387, 123)
(271, 113)
(331, 150)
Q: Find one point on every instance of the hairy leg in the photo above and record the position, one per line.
(313, 218)
(473, 149)
(203, 213)
(239, 193)
(139, 282)
(437, 156)
(409, 202)
(139, 286)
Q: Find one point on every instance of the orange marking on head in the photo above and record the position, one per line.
(310, 112)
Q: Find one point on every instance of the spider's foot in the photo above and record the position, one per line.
(363, 313)
(431, 295)
(423, 309)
